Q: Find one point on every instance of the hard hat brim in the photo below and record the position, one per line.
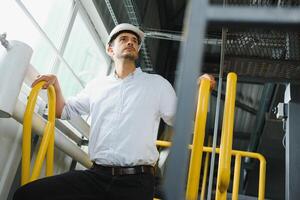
(123, 28)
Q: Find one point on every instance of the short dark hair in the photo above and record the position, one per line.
(124, 31)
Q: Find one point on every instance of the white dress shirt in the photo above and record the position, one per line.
(125, 115)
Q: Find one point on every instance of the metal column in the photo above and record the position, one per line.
(189, 69)
(292, 151)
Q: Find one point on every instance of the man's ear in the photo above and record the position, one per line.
(110, 50)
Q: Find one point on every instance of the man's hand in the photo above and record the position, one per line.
(210, 78)
(50, 79)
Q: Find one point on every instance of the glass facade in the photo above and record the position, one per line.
(82, 53)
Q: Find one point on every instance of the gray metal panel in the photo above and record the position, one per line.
(292, 98)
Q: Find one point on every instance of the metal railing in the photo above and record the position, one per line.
(47, 143)
(238, 155)
(225, 149)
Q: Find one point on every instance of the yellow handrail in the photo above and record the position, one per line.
(47, 143)
(225, 150)
(198, 140)
(262, 166)
(226, 138)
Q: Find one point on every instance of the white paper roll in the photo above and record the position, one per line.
(14, 63)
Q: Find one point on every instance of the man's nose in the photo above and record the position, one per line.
(130, 43)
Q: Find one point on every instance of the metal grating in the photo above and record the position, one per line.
(265, 44)
(265, 55)
(264, 69)
(261, 53)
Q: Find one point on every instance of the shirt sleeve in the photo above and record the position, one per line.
(76, 106)
(167, 104)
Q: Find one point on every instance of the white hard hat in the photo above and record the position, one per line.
(125, 27)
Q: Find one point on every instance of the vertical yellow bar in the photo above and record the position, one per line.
(199, 133)
(26, 147)
(50, 154)
(223, 178)
(205, 171)
(51, 118)
(41, 153)
(221, 195)
(262, 178)
(236, 180)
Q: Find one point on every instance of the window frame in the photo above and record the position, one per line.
(59, 52)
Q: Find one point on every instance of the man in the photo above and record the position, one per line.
(125, 108)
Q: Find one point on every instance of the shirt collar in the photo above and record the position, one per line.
(133, 74)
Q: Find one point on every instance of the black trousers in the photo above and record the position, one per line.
(92, 184)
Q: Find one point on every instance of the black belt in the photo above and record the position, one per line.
(118, 171)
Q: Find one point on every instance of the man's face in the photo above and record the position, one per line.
(125, 46)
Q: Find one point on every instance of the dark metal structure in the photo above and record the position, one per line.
(292, 100)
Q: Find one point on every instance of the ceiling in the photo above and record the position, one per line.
(257, 55)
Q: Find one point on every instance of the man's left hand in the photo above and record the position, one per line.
(210, 78)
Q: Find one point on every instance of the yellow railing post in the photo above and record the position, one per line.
(205, 172)
(51, 119)
(226, 138)
(47, 143)
(262, 178)
(198, 140)
(236, 177)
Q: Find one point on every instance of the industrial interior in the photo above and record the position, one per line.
(265, 55)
